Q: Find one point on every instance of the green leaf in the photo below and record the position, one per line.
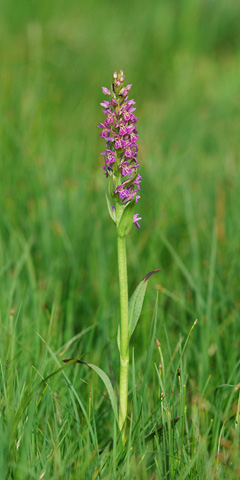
(136, 302)
(108, 386)
(105, 380)
(126, 221)
(110, 210)
(150, 346)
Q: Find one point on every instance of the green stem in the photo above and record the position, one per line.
(124, 332)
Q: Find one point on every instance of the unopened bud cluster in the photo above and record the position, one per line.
(121, 136)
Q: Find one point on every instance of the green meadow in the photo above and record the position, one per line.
(59, 296)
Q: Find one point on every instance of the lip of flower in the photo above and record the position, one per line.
(114, 102)
(130, 102)
(127, 107)
(110, 119)
(133, 137)
(131, 128)
(119, 143)
(131, 145)
(110, 159)
(128, 87)
(126, 193)
(123, 131)
(105, 134)
(105, 104)
(108, 112)
(129, 153)
(131, 196)
(123, 194)
(136, 219)
(127, 169)
(137, 181)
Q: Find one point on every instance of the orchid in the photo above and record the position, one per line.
(121, 169)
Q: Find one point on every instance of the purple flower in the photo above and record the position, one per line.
(123, 130)
(110, 157)
(119, 143)
(129, 153)
(106, 91)
(121, 136)
(136, 219)
(105, 104)
(105, 133)
(134, 137)
(137, 181)
(127, 168)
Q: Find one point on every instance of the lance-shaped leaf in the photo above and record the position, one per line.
(136, 302)
(108, 386)
(106, 380)
(111, 210)
(126, 221)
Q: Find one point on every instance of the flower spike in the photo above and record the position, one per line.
(121, 136)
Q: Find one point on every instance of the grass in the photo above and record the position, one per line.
(58, 266)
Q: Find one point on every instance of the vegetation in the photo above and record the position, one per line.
(59, 283)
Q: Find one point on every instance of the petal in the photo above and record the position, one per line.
(106, 91)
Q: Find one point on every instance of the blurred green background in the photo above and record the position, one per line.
(58, 246)
(183, 61)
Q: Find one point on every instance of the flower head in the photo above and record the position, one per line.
(121, 136)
